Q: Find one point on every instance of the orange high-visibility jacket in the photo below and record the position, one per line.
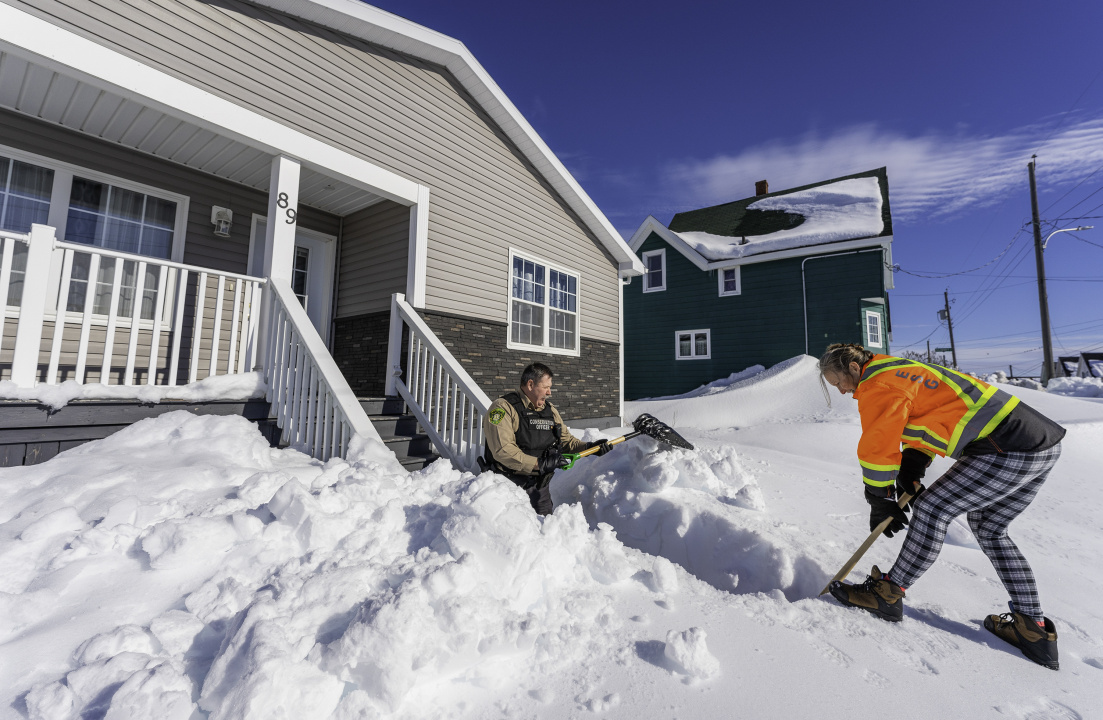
(927, 407)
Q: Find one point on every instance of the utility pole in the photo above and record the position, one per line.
(928, 351)
(1043, 300)
(945, 315)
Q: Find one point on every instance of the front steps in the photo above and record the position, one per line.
(399, 431)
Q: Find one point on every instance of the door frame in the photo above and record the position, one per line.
(328, 269)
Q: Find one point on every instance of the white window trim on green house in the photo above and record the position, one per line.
(693, 337)
(737, 277)
(648, 273)
(874, 341)
(58, 218)
(547, 308)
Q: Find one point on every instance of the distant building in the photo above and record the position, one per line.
(1090, 365)
(757, 281)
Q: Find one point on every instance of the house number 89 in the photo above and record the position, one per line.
(283, 204)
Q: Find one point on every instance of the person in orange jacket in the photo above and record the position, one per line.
(912, 411)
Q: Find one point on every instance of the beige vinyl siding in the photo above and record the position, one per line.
(374, 246)
(201, 247)
(398, 112)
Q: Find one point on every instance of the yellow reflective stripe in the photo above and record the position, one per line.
(879, 475)
(926, 430)
(1003, 413)
(878, 468)
(955, 439)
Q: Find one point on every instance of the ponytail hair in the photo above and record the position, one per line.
(837, 359)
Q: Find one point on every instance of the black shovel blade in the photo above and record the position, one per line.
(653, 427)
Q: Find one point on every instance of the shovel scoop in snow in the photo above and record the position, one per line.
(645, 424)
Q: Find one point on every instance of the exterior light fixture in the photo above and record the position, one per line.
(222, 218)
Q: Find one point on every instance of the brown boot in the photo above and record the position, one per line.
(1036, 642)
(879, 596)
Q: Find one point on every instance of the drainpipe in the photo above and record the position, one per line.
(804, 288)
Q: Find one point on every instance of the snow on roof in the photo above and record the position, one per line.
(844, 210)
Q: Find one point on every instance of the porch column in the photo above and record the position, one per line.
(283, 207)
(418, 252)
(32, 310)
(279, 241)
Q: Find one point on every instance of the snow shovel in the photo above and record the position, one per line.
(644, 425)
(865, 546)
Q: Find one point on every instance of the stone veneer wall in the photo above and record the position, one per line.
(586, 387)
(360, 351)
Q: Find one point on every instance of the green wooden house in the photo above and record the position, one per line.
(758, 281)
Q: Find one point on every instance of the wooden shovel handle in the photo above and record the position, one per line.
(865, 546)
(615, 441)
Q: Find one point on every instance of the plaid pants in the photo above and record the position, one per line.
(994, 490)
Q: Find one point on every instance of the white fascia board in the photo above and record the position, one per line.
(65, 52)
(379, 27)
(827, 249)
(651, 225)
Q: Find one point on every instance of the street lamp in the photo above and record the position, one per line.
(1047, 347)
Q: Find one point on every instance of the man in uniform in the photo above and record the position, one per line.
(526, 438)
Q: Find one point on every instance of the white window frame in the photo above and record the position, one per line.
(548, 267)
(738, 281)
(880, 328)
(651, 253)
(58, 219)
(693, 345)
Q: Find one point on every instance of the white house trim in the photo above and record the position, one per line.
(68, 53)
(419, 249)
(651, 225)
(382, 28)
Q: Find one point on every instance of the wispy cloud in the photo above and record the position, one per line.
(934, 175)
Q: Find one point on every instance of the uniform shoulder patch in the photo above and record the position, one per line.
(496, 416)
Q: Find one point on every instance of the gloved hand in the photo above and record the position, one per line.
(913, 466)
(551, 460)
(881, 507)
(603, 446)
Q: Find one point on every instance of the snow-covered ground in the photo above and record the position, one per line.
(184, 569)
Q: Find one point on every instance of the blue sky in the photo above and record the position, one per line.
(658, 108)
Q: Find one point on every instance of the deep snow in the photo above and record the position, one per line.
(182, 568)
(842, 210)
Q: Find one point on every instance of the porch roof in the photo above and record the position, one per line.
(53, 75)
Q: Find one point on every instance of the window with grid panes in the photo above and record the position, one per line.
(693, 344)
(543, 306)
(24, 200)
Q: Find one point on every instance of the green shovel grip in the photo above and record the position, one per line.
(571, 458)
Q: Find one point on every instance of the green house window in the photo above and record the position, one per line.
(654, 263)
(693, 344)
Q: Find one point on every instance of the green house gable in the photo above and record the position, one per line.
(796, 303)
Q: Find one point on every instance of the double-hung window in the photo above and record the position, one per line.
(543, 306)
(729, 281)
(654, 263)
(24, 200)
(873, 329)
(693, 344)
(102, 212)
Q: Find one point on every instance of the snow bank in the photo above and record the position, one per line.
(843, 210)
(219, 387)
(786, 392)
(699, 509)
(182, 565)
(1077, 387)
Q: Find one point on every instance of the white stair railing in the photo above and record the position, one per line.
(447, 402)
(311, 400)
(120, 319)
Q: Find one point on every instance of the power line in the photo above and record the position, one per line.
(933, 276)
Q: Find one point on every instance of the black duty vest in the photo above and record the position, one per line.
(536, 430)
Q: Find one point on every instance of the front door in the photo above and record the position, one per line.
(311, 274)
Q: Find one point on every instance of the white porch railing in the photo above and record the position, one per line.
(311, 399)
(446, 401)
(118, 318)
